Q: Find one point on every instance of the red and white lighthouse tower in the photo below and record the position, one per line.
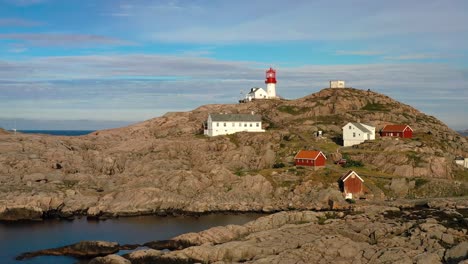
(270, 81)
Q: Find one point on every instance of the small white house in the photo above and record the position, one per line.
(224, 124)
(337, 84)
(256, 93)
(462, 161)
(356, 133)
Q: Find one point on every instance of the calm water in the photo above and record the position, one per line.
(16, 238)
(58, 132)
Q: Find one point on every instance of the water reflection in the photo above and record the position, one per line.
(16, 238)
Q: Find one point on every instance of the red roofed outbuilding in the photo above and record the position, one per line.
(402, 131)
(311, 158)
(351, 185)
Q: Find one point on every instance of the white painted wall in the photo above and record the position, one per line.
(337, 84)
(271, 90)
(352, 135)
(260, 93)
(216, 128)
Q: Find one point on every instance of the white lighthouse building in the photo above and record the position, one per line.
(260, 93)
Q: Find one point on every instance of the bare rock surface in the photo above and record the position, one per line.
(328, 237)
(165, 165)
(110, 259)
(81, 250)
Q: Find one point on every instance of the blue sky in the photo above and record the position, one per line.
(110, 62)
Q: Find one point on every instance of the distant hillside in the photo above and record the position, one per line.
(464, 132)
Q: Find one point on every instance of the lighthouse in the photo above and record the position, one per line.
(270, 81)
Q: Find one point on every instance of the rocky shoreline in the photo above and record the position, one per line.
(370, 234)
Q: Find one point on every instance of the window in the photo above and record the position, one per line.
(349, 127)
(224, 124)
(250, 124)
(258, 124)
(233, 124)
(245, 125)
(240, 124)
(354, 134)
(217, 124)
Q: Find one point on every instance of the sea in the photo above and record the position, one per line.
(58, 132)
(20, 237)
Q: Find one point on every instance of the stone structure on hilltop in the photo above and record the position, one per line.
(337, 84)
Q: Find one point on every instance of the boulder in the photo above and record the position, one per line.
(110, 259)
(457, 253)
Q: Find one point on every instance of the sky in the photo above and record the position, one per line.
(97, 64)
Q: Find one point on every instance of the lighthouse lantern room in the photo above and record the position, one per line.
(270, 81)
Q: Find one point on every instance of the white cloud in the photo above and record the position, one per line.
(147, 85)
(60, 39)
(359, 52)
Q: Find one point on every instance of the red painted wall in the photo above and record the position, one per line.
(353, 185)
(320, 161)
(407, 133)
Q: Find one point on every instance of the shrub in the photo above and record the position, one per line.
(278, 165)
(374, 107)
(292, 110)
(351, 201)
(352, 163)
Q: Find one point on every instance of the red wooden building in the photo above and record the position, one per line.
(351, 185)
(311, 158)
(402, 131)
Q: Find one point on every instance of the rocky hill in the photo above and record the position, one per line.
(166, 165)
(3, 131)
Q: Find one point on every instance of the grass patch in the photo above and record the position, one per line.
(240, 172)
(234, 139)
(375, 107)
(293, 110)
(69, 183)
(328, 215)
(352, 163)
(330, 119)
(420, 182)
(415, 158)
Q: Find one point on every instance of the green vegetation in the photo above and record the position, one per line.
(330, 119)
(375, 107)
(420, 182)
(234, 139)
(328, 215)
(240, 172)
(69, 183)
(351, 163)
(278, 165)
(415, 158)
(293, 110)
